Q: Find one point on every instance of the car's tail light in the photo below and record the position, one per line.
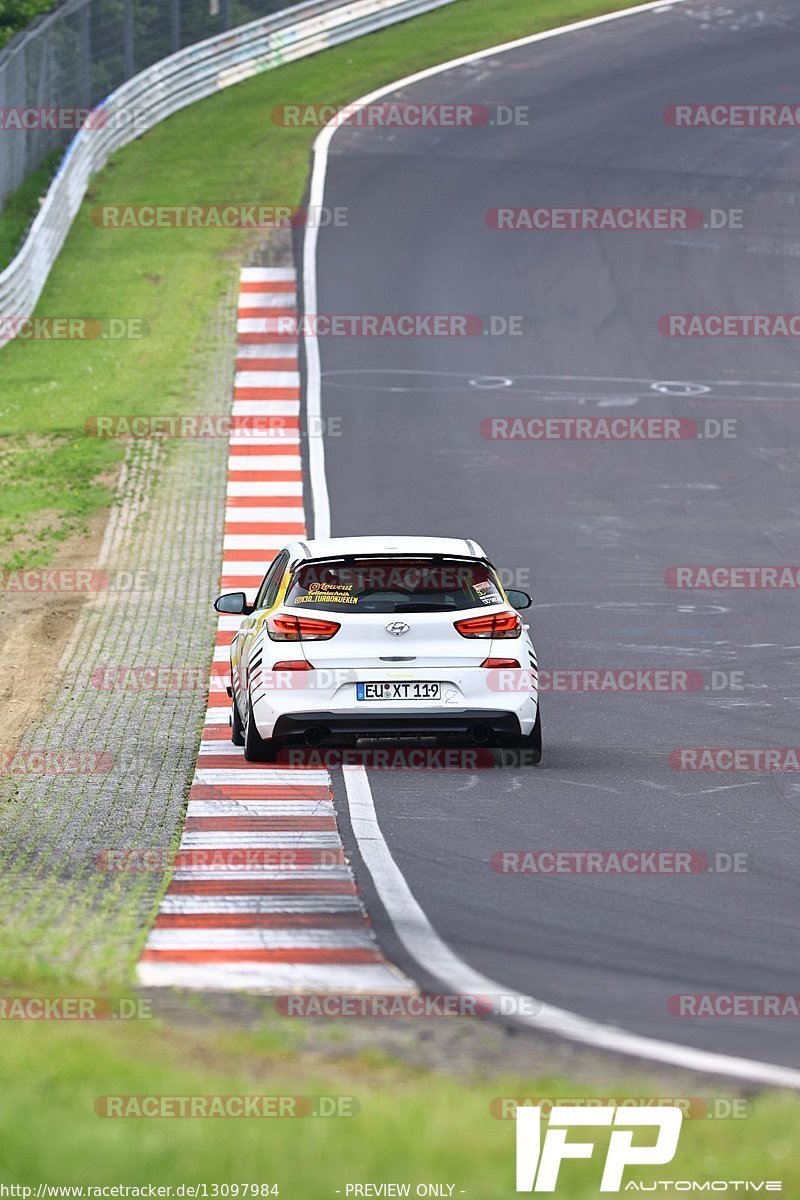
(293, 664)
(500, 664)
(491, 625)
(286, 628)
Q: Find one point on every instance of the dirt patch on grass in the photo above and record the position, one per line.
(35, 628)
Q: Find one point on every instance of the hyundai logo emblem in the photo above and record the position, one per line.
(397, 628)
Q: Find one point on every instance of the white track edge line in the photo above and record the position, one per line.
(426, 947)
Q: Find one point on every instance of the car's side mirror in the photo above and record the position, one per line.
(233, 602)
(519, 600)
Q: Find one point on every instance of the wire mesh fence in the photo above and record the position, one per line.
(66, 62)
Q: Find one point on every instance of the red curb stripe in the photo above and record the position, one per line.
(298, 955)
(236, 476)
(216, 762)
(266, 364)
(271, 393)
(260, 921)
(265, 339)
(277, 527)
(283, 447)
(261, 824)
(262, 887)
(268, 285)
(248, 556)
(258, 791)
(265, 502)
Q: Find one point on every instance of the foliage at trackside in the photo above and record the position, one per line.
(16, 14)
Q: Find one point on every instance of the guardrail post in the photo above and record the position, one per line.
(227, 19)
(175, 25)
(85, 52)
(127, 37)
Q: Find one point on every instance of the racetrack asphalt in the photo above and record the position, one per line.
(596, 525)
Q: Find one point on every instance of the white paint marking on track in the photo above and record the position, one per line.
(260, 939)
(263, 487)
(275, 977)
(272, 777)
(260, 808)
(280, 903)
(283, 840)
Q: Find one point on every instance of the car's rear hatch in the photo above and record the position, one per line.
(415, 626)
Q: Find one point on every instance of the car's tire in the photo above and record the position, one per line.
(237, 728)
(256, 748)
(532, 742)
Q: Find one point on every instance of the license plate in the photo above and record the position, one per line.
(398, 691)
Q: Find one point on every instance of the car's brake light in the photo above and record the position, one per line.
(294, 664)
(499, 664)
(491, 625)
(286, 628)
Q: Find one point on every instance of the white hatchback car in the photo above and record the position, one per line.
(369, 637)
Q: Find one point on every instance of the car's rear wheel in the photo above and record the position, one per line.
(237, 728)
(532, 742)
(256, 748)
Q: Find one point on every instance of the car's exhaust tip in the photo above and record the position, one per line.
(480, 734)
(314, 736)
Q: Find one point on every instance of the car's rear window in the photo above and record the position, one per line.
(393, 585)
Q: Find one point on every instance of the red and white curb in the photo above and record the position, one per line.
(262, 897)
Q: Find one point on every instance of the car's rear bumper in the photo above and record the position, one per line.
(468, 701)
(468, 723)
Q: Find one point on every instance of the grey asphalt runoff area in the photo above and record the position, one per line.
(596, 525)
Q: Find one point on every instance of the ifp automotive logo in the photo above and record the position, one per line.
(539, 1160)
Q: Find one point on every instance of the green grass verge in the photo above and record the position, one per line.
(413, 1126)
(223, 150)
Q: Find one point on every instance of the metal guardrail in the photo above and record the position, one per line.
(164, 88)
(81, 51)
